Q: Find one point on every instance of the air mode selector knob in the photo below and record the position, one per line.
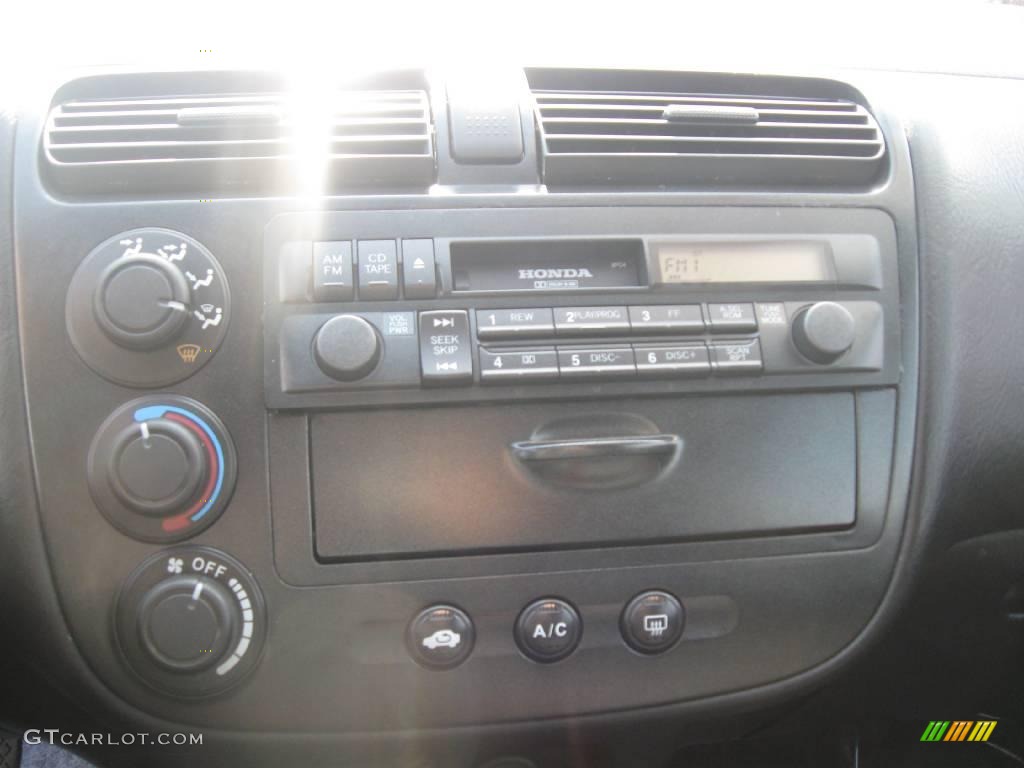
(186, 622)
(824, 332)
(148, 307)
(347, 347)
(141, 301)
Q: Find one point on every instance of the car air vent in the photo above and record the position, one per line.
(643, 139)
(240, 143)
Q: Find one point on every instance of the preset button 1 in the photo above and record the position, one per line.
(514, 323)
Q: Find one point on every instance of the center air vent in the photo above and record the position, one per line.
(643, 139)
(241, 143)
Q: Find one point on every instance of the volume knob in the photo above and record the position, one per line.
(347, 347)
(824, 332)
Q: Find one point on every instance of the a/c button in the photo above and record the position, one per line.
(548, 630)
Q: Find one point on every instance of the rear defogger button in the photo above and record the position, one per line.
(446, 357)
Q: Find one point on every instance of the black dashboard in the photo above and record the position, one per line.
(424, 423)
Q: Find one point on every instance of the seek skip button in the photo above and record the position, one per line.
(445, 354)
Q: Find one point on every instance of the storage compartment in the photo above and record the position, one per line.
(458, 481)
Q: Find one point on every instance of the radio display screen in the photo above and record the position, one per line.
(547, 265)
(738, 262)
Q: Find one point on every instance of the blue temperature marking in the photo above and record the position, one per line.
(156, 411)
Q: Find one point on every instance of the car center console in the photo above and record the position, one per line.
(492, 453)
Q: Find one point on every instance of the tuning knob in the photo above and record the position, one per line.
(347, 347)
(162, 468)
(141, 301)
(824, 332)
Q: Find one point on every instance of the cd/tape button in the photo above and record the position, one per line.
(518, 365)
(597, 362)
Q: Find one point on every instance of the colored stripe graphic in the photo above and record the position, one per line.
(935, 730)
(958, 730)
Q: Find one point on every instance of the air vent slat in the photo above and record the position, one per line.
(640, 99)
(210, 143)
(635, 138)
(631, 127)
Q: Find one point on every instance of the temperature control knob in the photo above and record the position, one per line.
(347, 347)
(191, 621)
(824, 332)
(162, 468)
(157, 466)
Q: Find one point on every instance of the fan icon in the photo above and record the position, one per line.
(175, 564)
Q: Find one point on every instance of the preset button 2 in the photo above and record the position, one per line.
(590, 321)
